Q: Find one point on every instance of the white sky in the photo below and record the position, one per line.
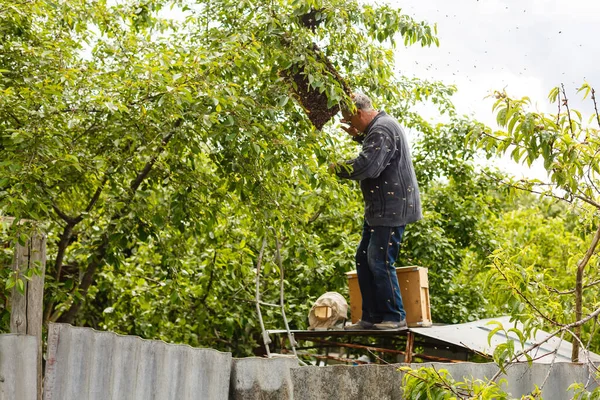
(525, 46)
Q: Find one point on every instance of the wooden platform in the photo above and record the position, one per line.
(383, 347)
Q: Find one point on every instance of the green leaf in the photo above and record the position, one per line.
(497, 329)
(10, 282)
(283, 101)
(20, 285)
(553, 95)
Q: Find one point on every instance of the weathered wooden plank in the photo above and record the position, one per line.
(18, 301)
(27, 308)
(35, 298)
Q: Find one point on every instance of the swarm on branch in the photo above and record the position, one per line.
(312, 100)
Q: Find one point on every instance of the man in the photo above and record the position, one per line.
(391, 195)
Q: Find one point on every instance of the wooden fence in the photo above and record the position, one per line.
(26, 305)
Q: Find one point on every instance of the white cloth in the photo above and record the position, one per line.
(339, 312)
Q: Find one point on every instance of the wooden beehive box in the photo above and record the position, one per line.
(414, 288)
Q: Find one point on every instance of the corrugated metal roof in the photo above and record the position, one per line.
(86, 364)
(18, 367)
(474, 336)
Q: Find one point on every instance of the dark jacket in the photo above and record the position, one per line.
(386, 174)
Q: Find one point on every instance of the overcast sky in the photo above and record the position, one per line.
(525, 46)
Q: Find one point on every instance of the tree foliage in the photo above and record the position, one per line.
(550, 288)
(456, 235)
(430, 383)
(543, 271)
(158, 143)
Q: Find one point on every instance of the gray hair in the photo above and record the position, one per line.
(362, 101)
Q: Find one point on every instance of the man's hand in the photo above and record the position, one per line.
(352, 131)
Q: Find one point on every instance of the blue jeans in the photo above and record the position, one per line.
(375, 258)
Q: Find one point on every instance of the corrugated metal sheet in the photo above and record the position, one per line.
(474, 336)
(18, 367)
(384, 382)
(86, 364)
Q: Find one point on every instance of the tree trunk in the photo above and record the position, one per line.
(579, 294)
(578, 312)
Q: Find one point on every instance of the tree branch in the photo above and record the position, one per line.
(553, 290)
(101, 250)
(589, 201)
(589, 174)
(579, 290)
(265, 335)
(62, 247)
(13, 116)
(553, 361)
(210, 280)
(513, 143)
(585, 350)
(595, 106)
(549, 194)
(593, 332)
(96, 196)
(75, 220)
(502, 182)
(533, 306)
(62, 214)
(87, 280)
(443, 384)
(63, 243)
(558, 113)
(566, 104)
(553, 334)
(314, 217)
(65, 237)
(135, 184)
(446, 384)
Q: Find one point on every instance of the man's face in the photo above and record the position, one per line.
(353, 119)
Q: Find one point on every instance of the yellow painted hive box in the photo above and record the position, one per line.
(414, 288)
